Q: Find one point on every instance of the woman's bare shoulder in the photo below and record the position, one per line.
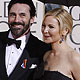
(75, 64)
(75, 56)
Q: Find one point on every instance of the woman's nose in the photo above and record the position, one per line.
(46, 30)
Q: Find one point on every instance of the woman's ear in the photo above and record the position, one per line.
(65, 31)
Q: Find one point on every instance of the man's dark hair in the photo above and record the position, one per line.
(28, 2)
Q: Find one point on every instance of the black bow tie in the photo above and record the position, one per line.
(11, 41)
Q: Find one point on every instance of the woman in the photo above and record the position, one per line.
(62, 62)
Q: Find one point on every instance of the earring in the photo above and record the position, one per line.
(62, 39)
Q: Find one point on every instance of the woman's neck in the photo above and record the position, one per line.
(59, 47)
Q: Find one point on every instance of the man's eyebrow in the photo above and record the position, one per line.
(12, 13)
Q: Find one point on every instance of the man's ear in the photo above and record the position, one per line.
(32, 20)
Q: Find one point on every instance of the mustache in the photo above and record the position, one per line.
(16, 23)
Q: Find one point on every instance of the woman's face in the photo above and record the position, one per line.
(50, 30)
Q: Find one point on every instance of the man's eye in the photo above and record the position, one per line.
(22, 15)
(12, 15)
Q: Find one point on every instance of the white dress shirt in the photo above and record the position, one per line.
(13, 54)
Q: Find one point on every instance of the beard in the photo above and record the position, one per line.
(17, 32)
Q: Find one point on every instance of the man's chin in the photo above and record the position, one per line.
(16, 33)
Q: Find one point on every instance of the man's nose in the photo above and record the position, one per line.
(17, 18)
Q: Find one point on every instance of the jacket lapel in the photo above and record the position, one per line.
(21, 67)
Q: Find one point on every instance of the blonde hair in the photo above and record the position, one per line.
(63, 17)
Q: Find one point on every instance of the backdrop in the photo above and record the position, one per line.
(73, 40)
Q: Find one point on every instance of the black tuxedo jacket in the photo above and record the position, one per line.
(33, 52)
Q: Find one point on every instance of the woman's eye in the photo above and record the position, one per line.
(51, 26)
(43, 26)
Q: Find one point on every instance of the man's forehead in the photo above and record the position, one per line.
(21, 5)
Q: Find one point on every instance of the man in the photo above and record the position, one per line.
(18, 61)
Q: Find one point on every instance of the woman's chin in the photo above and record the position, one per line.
(47, 41)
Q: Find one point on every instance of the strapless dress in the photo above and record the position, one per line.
(54, 75)
(41, 74)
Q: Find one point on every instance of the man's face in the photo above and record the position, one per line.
(19, 19)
